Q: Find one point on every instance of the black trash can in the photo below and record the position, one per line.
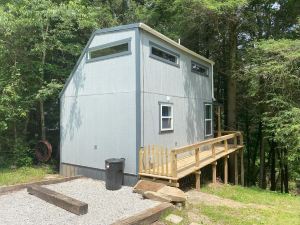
(114, 171)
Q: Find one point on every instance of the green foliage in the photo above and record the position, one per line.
(222, 7)
(239, 205)
(273, 78)
(23, 175)
(40, 41)
(22, 154)
(253, 42)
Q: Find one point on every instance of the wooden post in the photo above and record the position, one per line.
(226, 145)
(197, 157)
(157, 160)
(213, 149)
(219, 121)
(167, 162)
(162, 161)
(153, 160)
(235, 141)
(148, 160)
(226, 169)
(242, 168)
(141, 160)
(241, 139)
(198, 176)
(236, 176)
(214, 172)
(174, 164)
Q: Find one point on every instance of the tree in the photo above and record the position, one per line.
(273, 66)
(40, 41)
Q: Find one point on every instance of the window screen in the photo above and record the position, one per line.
(164, 55)
(166, 117)
(112, 50)
(198, 68)
(208, 120)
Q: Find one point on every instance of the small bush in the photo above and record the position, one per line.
(23, 155)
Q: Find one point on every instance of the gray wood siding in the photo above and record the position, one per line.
(98, 109)
(187, 91)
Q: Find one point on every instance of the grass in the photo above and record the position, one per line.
(23, 174)
(277, 208)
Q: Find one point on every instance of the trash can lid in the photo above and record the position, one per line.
(115, 160)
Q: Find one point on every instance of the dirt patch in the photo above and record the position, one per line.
(196, 197)
(199, 218)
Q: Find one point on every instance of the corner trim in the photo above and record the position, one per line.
(138, 95)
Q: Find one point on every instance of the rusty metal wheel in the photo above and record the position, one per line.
(43, 151)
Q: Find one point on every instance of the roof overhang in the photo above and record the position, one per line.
(174, 43)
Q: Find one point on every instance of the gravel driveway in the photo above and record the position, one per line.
(105, 207)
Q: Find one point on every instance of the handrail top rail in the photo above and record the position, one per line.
(205, 142)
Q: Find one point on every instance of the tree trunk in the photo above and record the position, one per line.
(286, 173)
(273, 166)
(281, 170)
(41, 102)
(286, 179)
(42, 115)
(15, 131)
(231, 89)
(262, 173)
(231, 82)
(248, 155)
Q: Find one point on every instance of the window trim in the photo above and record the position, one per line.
(199, 64)
(152, 44)
(110, 44)
(205, 119)
(161, 117)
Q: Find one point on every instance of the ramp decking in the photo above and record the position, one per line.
(171, 165)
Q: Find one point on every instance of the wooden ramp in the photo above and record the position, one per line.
(171, 165)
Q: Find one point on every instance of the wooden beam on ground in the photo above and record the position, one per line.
(17, 187)
(70, 204)
(148, 216)
(226, 169)
(172, 183)
(214, 172)
(198, 176)
(236, 172)
(242, 168)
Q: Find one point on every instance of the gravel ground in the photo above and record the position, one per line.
(105, 207)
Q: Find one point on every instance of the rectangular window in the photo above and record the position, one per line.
(166, 117)
(163, 54)
(200, 69)
(109, 50)
(208, 120)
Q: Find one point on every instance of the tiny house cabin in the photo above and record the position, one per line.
(131, 87)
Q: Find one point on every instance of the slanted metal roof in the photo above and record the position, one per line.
(157, 34)
(129, 27)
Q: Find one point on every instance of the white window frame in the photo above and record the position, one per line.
(166, 117)
(206, 119)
